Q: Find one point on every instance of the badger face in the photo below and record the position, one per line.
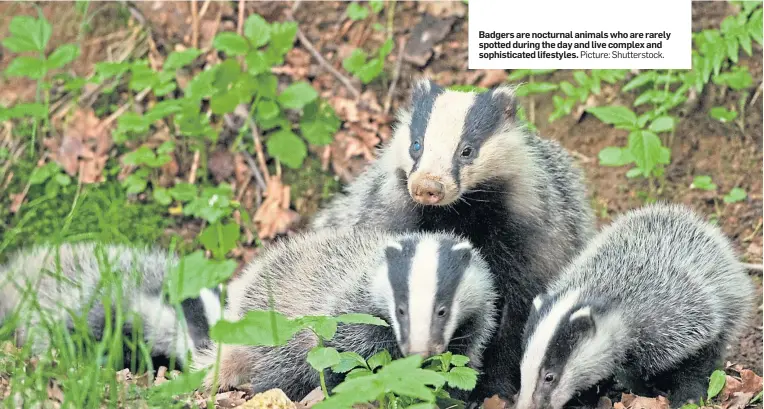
(430, 285)
(452, 141)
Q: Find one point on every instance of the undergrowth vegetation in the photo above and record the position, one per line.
(228, 97)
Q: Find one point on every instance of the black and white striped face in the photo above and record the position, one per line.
(451, 141)
(560, 337)
(431, 288)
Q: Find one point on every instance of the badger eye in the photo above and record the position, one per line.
(549, 377)
(416, 146)
(467, 152)
(442, 312)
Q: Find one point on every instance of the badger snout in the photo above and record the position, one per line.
(432, 190)
(426, 352)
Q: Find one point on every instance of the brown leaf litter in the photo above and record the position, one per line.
(274, 216)
(83, 148)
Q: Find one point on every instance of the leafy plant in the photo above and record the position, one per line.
(365, 67)
(722, 114)
(735, 195)
(703, 182)
(586, 84)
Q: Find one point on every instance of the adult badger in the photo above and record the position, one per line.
(433, 289)
(651, 303)
(49, 283)
(463, 162)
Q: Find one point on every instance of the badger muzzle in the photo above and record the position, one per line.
(432, 190)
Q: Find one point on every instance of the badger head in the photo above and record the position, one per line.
(438, 294)
(449, 142)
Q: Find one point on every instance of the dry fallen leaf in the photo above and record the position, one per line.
(630, 401)
(495, 402)
(274, 216)
(492, 78)
(83, 148)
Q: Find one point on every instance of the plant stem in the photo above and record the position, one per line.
(321, 375)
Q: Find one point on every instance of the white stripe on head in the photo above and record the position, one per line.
(211, 303)
(580, 313)
(461, 246)
(395, 245)
(533, 357)
(383, 296)
(444, 132)
(423, 286)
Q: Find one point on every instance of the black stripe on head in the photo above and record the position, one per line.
(196, 319)
(398, 270)
(452, 263)
(574, 327)
(488, 113)
(422, 100)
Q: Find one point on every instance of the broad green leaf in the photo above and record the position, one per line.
(267, 85)
(363, 389)
(376, 5)
(721, 114)
(182, 384)
(201, 85)
(386, 48)
(34, 109)
(321, 358)
(62, 179)
(220, 242)
(354, 61)
(162, 196)
(136, 183)
(257, 63)
(357, 12)
(633, 172)
(142, 77)
(662, 124)
(43, 173)
(361, 319)
(645, 148)
(162, 110)
(370, 70)
(461, 378)
(703, 182)
(111, 69)
(297, 95)
(194, 273)
(257, 30)
(224, 102)
(614, 156)
(287, 147)
(459, 360)
(142, 155)
(381, 358)
(267, 109)
(348, 361)
(179, 59)
(183, 192)
(533, 88)
(62, 55)
(30, 67)
(282, 36)
(324, 327)
(735, 195)
(231, 43)
(718, 379)
(614, 115)
(256, 328)
(131, 121)
(640, 80)
(690, 406)
(28, 34)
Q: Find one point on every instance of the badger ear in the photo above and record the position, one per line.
(505, 95)
(462, 250)
(538, 302)
(582, 320)
(424, 87)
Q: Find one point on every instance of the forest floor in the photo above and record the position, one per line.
(730, 152)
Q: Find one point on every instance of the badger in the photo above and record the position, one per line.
(60, 284)
(434, 290)
(464, 162)
(651, 303)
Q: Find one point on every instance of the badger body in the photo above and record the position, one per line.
(434, 290)
(51, 283)
(462, 162)
(651, 304)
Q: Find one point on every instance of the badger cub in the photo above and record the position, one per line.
(433, 289)
(50, 283)
(464, 162)
(651, 303)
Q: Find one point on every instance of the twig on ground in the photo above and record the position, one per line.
(581, 156)
(756, 94)
(194, 24)
(204, 8)
(255, 171)
(396, 75)
(309, 46)
(240, 27)
(258, 148)
(295, 6)
(194, 166)
(753, 267)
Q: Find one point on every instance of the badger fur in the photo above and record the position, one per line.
(652, 303)
(433, 289)
(462, 162)
(54, 284)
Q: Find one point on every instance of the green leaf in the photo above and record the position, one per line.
(349, 360)
(459, 360)
(179, 59)
(738, 79)
(735, 195)
(287, 147)
(633, 172)
(319, 123)
(131, 121)
(257, 63)
(357, 12)
(718, 379)
(162, 196)
(111, 69)
(370, 70)
(361, 319)
(256, 328)
(614, 115)
(183, 192)
(689, 406)
(62, 179)
(62, 55)
(30, 67)
(142, 77)
(386, 48)
(282, 36)
(161, 110)
(297, 95)
(321, 358)
(267, 86)
(354, 61)
(645, 148)
(194, 273)
(662, 124)
(43, 173)
(257, 30)
(324, 327)
(721, 114)
(376, 5)
(28, 34)
(182, 384)
(640, 80)
(201, 85)
(703, 182)
(220, 242)
(231, 43)
(267, 109)
(462, 378)
(34, 110)
(136, 183)
(140, 156)
(614, 156)
(379, 359)
(532, 88)
(224, 102)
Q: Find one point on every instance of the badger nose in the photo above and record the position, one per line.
(428, 191)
